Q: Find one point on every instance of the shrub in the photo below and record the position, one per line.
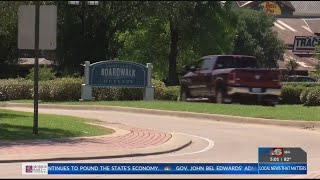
(3, 97)
(313, 97)
(130, 94)
(171, 93)
(304, 94)
(315, 75)
(69, 89)
(305, 84)
(14, 89)
(45, 74)
(44, 90)
(105, 94)
(291, 94)
(65, 89)
(159, 89)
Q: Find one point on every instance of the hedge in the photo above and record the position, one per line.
(16, 89)
(297, 93)
(304, 94)
(69, 89)
(313, 97)
(305, 84)
(291, 94)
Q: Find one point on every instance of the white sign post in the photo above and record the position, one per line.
(37, 29)
(47, 27)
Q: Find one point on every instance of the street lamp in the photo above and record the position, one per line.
(83, 6)
(83, 13)
(88, 2)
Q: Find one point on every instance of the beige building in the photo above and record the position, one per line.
(293, 18)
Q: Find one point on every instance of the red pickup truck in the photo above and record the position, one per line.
(231, 78)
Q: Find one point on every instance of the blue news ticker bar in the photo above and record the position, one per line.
(283, 168)
(176, 168)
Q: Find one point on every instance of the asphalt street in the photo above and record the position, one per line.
(213, 141)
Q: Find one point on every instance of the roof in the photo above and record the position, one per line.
(306, 7)
(42, 61)
(302, 8)
(314, 24)
(240, 3)
(305, 63)
(288, 28)
(254, 3)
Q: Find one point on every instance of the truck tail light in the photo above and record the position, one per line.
(278, 79)
(232, 78)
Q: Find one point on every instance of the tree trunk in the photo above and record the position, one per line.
(173, 77)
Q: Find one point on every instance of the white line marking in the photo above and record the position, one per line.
(210, 145)
(306, 28)
(278, 25)
(286, 25)
(306, 23)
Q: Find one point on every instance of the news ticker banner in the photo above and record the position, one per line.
(164, 168)
(271, 161)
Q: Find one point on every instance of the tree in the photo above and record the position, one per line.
(255, 37)
(317, 56)
(8, 31)
(99, 41)
(292, 66)
(174, 34)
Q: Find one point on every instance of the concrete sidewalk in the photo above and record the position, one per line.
(127, 141)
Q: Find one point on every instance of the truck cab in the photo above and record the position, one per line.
(230, 78)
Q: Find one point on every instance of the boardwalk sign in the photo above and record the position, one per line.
(118, 74)
(112, 73)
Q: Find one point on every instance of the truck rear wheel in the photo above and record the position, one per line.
(184, 95)
(222, 98)
(219, 97)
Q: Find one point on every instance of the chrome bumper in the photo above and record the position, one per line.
(243, 90)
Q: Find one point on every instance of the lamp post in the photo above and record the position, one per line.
(83, 8)
(83, 5)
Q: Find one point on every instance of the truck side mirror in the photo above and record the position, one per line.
(192, 69)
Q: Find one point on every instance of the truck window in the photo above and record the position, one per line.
(207, 64)
(236, 62)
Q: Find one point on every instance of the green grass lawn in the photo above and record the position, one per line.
(18, 126)
(282, 112)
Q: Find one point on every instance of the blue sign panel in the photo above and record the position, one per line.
(118, 74)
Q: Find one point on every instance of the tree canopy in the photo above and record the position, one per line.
(255, 37)
(169, 34)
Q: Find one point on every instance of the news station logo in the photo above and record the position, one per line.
(276, 152)
(34, 168)
(28, 169)
(167, 168)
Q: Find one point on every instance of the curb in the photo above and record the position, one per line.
(214, 117)
(176, 143)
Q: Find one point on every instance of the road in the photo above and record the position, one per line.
(213, 141)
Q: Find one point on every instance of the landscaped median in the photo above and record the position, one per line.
(61, 138)
(18, 126)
